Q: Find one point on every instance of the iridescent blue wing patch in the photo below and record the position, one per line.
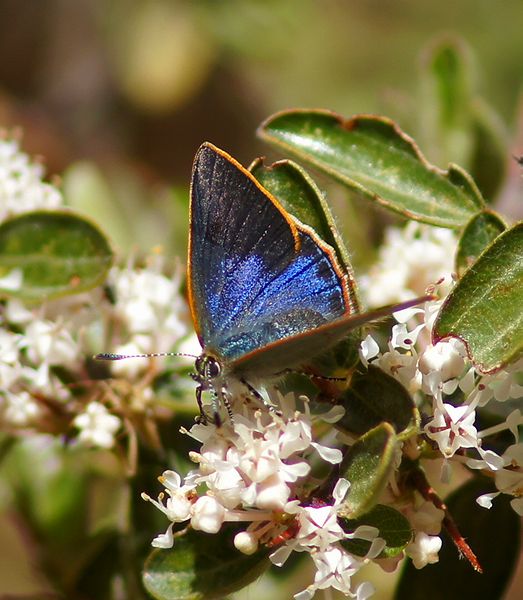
(256, 277)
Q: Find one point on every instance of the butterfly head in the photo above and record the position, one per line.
(210, 376)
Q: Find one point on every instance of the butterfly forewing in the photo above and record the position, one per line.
(256, 277)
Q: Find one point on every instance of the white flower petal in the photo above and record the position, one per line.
(332, 455)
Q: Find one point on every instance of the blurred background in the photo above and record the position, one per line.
(148, 81)
(116, 95)
(135, 86)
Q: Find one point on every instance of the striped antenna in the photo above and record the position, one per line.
(111, 356)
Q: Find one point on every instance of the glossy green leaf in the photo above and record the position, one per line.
(480, 231)
(446, 93)
(367, 466)
(201, 566)
(373, 156)
(374, 397)
(494, 536)
(484, 309)
(300, 196)
(46, 254)
(393, 527)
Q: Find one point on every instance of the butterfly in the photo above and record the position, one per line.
(266, 293)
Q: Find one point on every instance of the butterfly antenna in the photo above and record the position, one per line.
(112, 356)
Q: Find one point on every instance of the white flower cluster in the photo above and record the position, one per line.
(33, 340)
(62, 333)
(39, 342)
(410, 259)
(42, 341)
(432, 373)
(253, 470)
(21, 185)
(150, 309)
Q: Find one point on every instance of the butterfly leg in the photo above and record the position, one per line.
(216, 403)
(225, 401)
(202, 418)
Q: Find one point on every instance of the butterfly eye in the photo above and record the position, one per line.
(208, 367)
(213, 368)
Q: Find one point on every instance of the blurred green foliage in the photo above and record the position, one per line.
(134, 87)
(148, 80)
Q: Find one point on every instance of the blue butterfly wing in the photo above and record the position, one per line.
(255, 276)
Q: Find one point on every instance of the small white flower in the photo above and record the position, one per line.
(50, 343)
(20, 409)
(207, 514)
(445, 358)
(402, 366)
(424, 549)
(427, 518)
(334, 569)
(452, 428)
(503, 385)
(97, 426)
(508, 480)
(177, 507)
(319, 526)
(403, 338)
(246, 542)
(149, 302)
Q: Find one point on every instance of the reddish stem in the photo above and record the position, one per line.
(417, 476)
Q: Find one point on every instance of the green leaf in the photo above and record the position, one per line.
(446, 90)
(374, 397)
(393, 527)
(373, 156)
(340, 359)
(367, 466)
(488, 162)
(299, 195)
(484, 309)
(479, 232)
(48, 254)
(201, 567)
(494, 536)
